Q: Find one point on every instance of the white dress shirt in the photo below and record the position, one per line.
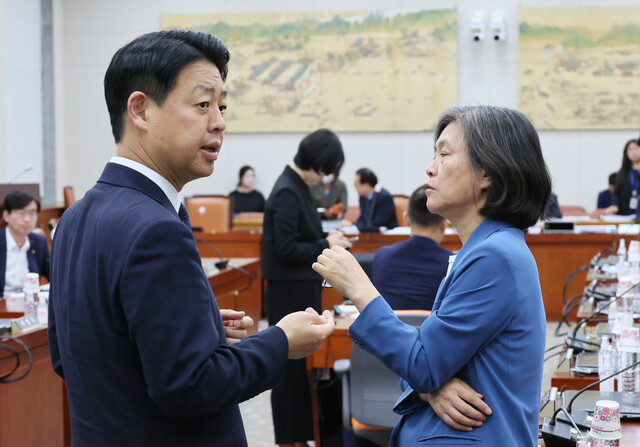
(17, 265)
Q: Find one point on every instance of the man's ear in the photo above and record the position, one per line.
(137, 108)
(405, 217)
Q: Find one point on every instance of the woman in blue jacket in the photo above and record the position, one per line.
(487, 326)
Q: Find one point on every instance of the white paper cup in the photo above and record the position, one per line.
(32, 283)
(606, 420)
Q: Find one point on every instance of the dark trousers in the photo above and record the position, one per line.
(291, 400)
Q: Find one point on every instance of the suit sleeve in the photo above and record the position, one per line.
(385, 212)
(46, 261)
(476, 308)
(289, 247)
(176, 327)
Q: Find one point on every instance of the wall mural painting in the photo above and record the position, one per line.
(580, 67)
(348, 71)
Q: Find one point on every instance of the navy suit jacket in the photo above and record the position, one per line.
(37, 256)
(407, 274)
(377, 211)
(136, 332)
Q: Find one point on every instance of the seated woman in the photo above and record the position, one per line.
(21, 250)
(487, 327)
(245, 197)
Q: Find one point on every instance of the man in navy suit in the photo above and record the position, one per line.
(376, 204)
(134, 328)
(21, 250)
(408, 273)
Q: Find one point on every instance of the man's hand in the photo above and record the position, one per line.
(306, 331)
(236, 324)
(457, 404)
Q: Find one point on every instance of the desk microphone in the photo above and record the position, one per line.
(559, 436)
(19, 174)
(578, 344)
(222, 263)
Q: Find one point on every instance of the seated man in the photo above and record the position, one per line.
(376, 204)
(605, 198)
(22, 251)
(407, 274)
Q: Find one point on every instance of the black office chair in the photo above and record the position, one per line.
(370, 390)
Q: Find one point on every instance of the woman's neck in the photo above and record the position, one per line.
(244, 189)
(466, 225)
(636, 165)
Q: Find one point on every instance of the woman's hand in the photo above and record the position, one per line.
(337, 238)
(343, 272)
(457, 404)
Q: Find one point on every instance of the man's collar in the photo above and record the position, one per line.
(11, 243)
(164, 184)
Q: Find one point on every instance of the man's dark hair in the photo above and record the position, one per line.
(18, 199)
(612, 178)
(151, 64)
(367, 176)
(419, 214)
(504, 144)
(321, 151)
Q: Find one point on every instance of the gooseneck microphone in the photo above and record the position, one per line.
(222, 263)
(19, 174)
(560, 435)
(572, 341)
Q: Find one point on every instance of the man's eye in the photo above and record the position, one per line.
(223, 109)
(204, 105)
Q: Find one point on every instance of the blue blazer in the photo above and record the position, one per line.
(136, 332)
(37, 256)
(407, 274)
(377, 211)
(487, 327)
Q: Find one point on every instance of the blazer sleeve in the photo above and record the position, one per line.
(175, 324)
(288, 244)
(476, 308)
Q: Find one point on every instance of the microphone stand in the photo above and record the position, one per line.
(586, 320)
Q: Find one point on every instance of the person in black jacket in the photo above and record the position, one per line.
(292, 239)
(21, 250)
(627, 191)
(376, 203)
(245, 197)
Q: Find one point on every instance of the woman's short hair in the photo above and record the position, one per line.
(321, 151)
(504, 144)
(242, 172)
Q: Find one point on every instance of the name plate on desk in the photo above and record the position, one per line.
(24, 324)
(558, 226)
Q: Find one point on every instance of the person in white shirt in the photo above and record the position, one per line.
(24, 251)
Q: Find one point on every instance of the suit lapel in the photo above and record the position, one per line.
(118, 175)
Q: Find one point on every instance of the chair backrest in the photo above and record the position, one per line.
(374, 389)
(401, 202)
(211, 213)
(69, 196)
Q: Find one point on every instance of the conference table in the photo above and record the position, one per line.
(34, 411)
(557, 255)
